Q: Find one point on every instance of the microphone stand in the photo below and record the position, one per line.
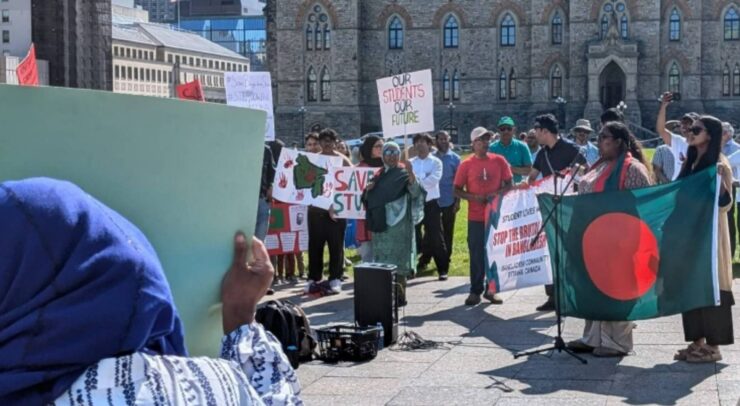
(559, 344)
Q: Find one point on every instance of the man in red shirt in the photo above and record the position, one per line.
(479, 178)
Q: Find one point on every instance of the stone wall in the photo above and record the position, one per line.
(360, 54)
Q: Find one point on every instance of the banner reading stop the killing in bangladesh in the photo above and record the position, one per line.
(514, 258)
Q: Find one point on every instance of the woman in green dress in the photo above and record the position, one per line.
(395, 205)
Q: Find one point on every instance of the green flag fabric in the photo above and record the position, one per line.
(637, 254)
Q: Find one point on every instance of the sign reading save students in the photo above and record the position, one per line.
(406, 103)
(349, 183)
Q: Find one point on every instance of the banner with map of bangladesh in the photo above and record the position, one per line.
(303, 178)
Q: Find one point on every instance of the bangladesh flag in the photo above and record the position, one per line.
(637, 254)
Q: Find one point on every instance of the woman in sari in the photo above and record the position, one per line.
(621, 166)
(395, 205)
(709, 327)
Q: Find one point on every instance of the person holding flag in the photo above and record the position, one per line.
(709, 327)
(621, 166)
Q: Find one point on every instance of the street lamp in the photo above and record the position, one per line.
(451, 108)
(302, 110)
(561, 108)
(622, 106)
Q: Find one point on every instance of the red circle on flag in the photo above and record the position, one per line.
(621, 255)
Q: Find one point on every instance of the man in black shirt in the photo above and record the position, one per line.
(555, 156)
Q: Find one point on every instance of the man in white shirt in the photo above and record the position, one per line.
(676, 142)
(730, 148)
(428, 171)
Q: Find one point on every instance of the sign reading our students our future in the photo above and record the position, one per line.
(406, 103)
(349, 183)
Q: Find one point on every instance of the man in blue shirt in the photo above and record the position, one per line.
(515, 152)
(581, 132)
(448, 203)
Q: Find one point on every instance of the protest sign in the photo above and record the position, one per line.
(252, 90)
(188, 202)
(303, 178)
(349, 183)
(514, 259)
(288, 223)
(406, 103)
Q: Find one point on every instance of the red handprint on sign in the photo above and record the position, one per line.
(300, 195)
(288, 164)
(283, 181)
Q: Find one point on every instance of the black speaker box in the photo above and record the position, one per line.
(375, 298)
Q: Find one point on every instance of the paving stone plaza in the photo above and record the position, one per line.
(477, 367)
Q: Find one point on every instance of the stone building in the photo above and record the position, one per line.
(502, 57)
(151, 59)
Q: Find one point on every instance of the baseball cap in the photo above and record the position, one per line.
(478, 132)
(506, 121)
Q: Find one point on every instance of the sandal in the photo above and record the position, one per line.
(682, 354)
(703, 355)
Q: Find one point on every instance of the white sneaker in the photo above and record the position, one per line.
(335, 285)
(309, 285)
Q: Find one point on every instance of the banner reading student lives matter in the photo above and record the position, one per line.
(303, 178)
(513, 260)
(406, 103)
(252, 90)
(349, 183)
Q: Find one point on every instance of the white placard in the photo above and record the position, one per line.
(252, 90)
(303, 178)
(406, 103)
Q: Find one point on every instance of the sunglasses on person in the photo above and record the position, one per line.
(392, 152)
(505, 129)
(696, 130)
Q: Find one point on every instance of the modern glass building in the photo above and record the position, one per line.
(245, 35)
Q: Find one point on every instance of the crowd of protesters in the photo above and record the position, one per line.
(413, 204)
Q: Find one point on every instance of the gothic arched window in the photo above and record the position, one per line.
(508, 31)
(318, 30)
(674, 79)
(395, 34)
(446, 86)
(556, 29)
(502, 85)
(311, 84)
(726, 83)
(624, 27)
(456, 86)
(732, 25)
(556, 82)
(325, 85)
(736, 80)
(451, 32)
(512, 85)
(604, 26)
(674, 26)
(309, 38)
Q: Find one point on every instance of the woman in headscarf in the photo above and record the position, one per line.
(709, 327)
(87, 315)
(621, 166)
(371, 156)
(395, 205)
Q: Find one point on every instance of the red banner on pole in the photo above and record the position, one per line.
(27, 70)
(191, 91)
